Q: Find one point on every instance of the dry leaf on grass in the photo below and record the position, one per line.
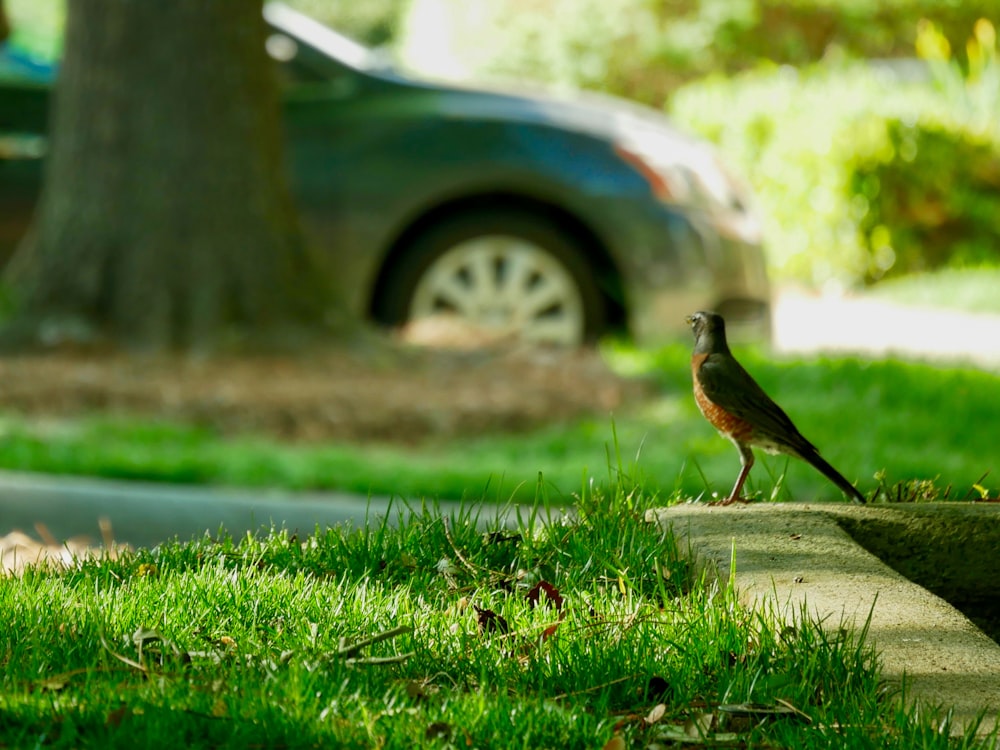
(19, 550)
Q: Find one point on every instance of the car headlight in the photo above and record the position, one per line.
(688, 174)
(684, 172)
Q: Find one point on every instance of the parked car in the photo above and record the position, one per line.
(557, 219)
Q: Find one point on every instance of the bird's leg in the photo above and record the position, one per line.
(746, 462)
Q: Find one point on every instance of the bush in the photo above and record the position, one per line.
(798, 32)
(36, 27)
(866, 170)
(592, 44)
(795, 135)
(931, 191)
(932, 200)
(645, 49)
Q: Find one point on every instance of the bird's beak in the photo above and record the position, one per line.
(689, 319)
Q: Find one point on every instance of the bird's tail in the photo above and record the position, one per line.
(835, 476)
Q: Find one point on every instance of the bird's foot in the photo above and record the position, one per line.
(730, 500)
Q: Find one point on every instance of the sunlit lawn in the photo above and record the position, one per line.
(910, 421)
(572, 633)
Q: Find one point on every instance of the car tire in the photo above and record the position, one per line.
(505, 273)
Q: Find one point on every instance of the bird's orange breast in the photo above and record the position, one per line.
(730, 425)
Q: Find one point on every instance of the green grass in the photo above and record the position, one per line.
(901, 421)
(967, 289)
(215, 643)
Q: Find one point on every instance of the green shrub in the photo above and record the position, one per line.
(591, 44)
(932, 201)
(862, 172)
(645, 49)
(36, 26)
(795, 134)
(797, 32)
(931, 189)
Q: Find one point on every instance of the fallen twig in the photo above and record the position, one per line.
(350, 649)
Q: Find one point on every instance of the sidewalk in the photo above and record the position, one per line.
(806, 323)
(795, 556)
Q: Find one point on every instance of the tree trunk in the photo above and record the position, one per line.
(166, 220)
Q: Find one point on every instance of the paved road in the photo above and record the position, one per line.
(144, 514)
(807, 324)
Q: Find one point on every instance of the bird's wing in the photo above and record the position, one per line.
(728, 385)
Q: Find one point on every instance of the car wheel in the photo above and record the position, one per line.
(503, 273)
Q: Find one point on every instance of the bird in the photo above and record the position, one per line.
(733, 403)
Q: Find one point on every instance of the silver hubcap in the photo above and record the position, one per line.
(505, 285)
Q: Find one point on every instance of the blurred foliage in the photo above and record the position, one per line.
(932, 188)
(644, 49)
(932, 200)
(36, 26)
(372, 22)
(592, 44)
(802, 31)
(794, 134)
(866, 170)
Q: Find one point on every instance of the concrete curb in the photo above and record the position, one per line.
(797, 555)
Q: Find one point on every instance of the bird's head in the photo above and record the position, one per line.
(709, 330)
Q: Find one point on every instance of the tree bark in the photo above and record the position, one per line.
(166, 220)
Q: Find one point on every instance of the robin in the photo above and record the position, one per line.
(739, 409)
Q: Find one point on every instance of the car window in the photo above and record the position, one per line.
(33, 49)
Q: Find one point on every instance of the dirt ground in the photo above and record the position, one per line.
(398, 395)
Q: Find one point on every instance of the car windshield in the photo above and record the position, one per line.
(23, 56)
